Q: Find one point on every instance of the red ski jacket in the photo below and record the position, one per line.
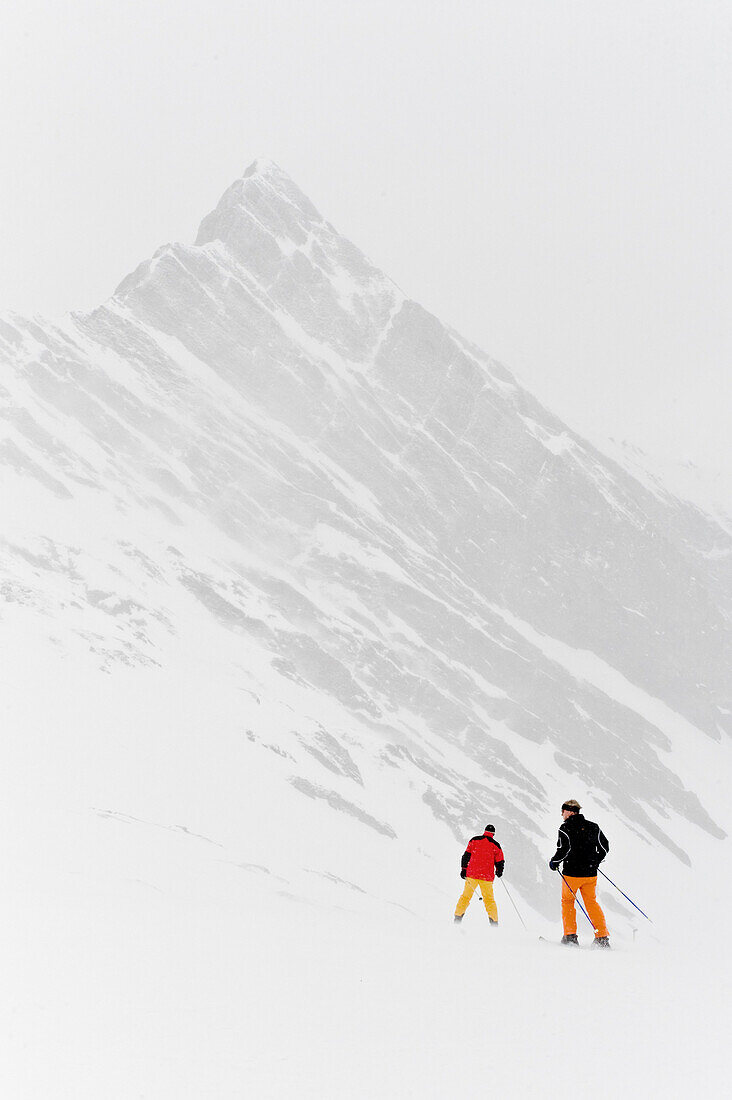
(483, 858)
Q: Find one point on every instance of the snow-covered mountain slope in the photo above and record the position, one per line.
(276, 541)
(707, 487)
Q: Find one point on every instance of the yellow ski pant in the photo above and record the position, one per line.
(486, 891)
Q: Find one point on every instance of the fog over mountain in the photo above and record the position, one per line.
(259, 473)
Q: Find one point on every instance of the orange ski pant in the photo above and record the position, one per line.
(586, 888)
(486, 892)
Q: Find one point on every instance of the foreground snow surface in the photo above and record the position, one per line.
(180, 924)
(122, 990)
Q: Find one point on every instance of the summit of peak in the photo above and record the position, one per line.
(266, 194)
(262, 166)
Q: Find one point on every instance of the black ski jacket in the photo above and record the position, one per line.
(581, 847)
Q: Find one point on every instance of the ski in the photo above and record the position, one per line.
(558, 943)
(582, 946)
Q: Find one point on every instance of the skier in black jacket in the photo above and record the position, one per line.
(581, 848)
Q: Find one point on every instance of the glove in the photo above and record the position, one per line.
(463, 873)
(553, 866)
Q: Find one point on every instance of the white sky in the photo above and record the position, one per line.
(551, 177)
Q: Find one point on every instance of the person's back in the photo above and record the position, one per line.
(484, 853)
(587, 846)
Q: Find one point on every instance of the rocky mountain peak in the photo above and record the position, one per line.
(266, 239)
(265, 201)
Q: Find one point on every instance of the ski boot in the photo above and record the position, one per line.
(492, 921)
(571, 938)
(456, 919)
(602, 941)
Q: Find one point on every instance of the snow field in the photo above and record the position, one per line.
(127, 991)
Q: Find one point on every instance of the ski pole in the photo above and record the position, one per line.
(577, 900)
(625, 895)
(513, 903)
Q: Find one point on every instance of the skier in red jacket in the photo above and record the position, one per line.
(482, 862)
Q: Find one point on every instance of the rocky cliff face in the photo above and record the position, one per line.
(461, 599)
